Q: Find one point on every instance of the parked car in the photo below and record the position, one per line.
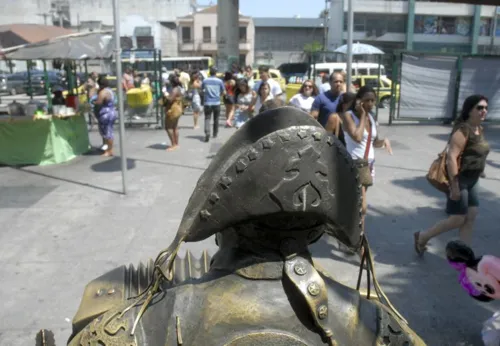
(3, 84)
(294, 71)
(38, 82)
(384, 97)
(15, 83)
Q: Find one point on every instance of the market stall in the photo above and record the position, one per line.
(38, 133)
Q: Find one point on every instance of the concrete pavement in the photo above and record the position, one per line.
(61, 226)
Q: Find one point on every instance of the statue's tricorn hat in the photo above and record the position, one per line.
(280, 165)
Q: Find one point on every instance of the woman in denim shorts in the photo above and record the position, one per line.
(466, 160)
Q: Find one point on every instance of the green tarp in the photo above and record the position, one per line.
(43, 142)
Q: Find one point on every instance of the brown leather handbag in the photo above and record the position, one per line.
(363, 166)
(437, 175)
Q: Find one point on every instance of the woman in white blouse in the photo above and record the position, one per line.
(305, 97)
(357, 124)
(263, 95)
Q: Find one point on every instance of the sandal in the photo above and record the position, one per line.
(419, 249)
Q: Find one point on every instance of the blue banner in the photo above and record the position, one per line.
(141, 54)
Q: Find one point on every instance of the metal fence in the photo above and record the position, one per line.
(430, 86)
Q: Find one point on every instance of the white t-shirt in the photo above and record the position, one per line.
(357, 150)
(259, 103)
(302, 102)
(323, 88)
(275, 87)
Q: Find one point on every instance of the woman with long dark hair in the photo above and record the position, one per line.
(172, 103)
(361, 139)
(229, 98)
(466, 159)
(106, 113)
(244, 101)
(263, 95)
(335, 120)
(196, 97)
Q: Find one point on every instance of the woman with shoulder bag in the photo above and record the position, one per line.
(361, 137)
(465, 162)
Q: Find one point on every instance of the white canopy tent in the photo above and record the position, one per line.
(80, 46)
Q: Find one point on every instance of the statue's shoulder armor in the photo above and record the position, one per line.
(376, 317)
(113, 289)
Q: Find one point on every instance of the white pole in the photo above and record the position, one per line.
(350, 24)
(118, 59)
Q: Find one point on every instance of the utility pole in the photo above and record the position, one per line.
(350, 25)
(325, 25)
(45, 16)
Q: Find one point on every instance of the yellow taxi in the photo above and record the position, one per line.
(274, 74)
(385, 84)
(384, 97)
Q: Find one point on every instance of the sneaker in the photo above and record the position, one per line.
(207, 138)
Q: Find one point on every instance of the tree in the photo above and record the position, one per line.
(324, 13)
(313, 47)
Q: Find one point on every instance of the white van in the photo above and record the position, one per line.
(358, 68)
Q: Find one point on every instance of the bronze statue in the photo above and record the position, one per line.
(276, 186)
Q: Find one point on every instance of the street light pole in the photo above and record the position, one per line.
(119, 89)
(350, 24)
(325, 26)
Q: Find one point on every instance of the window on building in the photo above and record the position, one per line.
(207, 34)
(397, 23)
(145, 42)
(242, 59)
(359, 23)
(126, 42)
(485, 27)
(441, 25)
(186, 34)
(377, 24)
(243, 34)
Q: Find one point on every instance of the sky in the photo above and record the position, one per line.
(277, 8)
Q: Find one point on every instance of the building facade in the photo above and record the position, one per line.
(283, 40)
(141, 21)
(198, 35)
(418, 26)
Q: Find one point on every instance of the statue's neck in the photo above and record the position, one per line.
(257, 258)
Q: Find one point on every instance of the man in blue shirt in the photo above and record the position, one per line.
(213, 89)
(326, 103)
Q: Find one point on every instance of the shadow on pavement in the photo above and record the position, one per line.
(201, 138)
(112, 165)
(169, 164)
(158, 146)
(66, 180)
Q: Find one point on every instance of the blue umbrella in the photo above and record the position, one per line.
(360, 49)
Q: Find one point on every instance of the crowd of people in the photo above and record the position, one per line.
(346, 114)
